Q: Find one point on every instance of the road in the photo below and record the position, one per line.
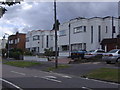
(32, 78)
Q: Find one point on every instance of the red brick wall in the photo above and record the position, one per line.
(20, 44)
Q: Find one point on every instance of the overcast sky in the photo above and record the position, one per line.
(29, 16)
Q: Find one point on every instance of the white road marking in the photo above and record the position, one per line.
(66, 76)
(35, 76)
(86, 88)
(52, 79)
(11, 84)
(62, 75)
(18, 73)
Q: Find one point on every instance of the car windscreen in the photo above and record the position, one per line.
(113, 51)
(100, 51)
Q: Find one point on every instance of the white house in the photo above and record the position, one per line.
(85, 33)
(38, 40)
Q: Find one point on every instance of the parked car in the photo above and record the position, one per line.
(112, 56)
(94, 53)
(78, 54)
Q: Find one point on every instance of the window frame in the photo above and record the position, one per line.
(79, 29)
(36, 37)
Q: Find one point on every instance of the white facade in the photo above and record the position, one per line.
(38, 40)
(85, 33)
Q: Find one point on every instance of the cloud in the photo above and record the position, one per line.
(40, 15)
(67, 11)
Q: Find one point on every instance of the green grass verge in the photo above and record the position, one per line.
(108, 74)
(22, 63)
(59, 67)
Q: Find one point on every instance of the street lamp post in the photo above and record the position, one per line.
(69, 42)
(8, 45)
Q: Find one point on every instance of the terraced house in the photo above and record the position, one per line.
(86, 33)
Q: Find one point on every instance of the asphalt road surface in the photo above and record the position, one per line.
(24, 78)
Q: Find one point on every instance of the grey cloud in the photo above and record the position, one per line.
(41, 15)
(67, 11)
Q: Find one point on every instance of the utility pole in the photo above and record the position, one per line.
(112, 27)
(56, 47)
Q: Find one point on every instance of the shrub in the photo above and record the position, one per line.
(15, 53)
(4, 52)
(27, 52)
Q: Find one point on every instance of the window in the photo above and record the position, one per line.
(16, 41)
(65, 48)
(11, 42)
(106, 29)
(80, 29)
(47, 38)
(113, 51)
(37, 49)
(27, 39)
(76, 47)
(42, 41)
(91, 34)
(34, 49)
(84, 28)
(84, 46)
(119, 52)
(100, 51)
(36, 37)
(62, 32)
(113, 29)
(99, 33)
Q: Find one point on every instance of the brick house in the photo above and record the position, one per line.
(110, 43)
(17, 41)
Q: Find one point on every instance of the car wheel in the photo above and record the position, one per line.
(108, 62)
(118, 60)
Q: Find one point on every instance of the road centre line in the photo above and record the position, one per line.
(18, 73)
(11, 84)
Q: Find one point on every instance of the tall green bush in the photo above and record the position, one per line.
(16, 53)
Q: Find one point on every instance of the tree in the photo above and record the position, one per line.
(58, 23)
(2, 11)
(9, 3)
